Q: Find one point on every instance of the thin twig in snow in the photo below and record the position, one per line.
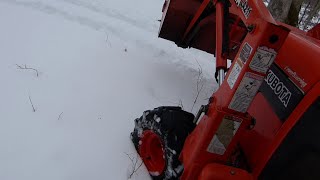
(135, 166)
(60, 115)
(199, 84)
(27, 68)
(107, 40)
(34, 110)
(180, 104)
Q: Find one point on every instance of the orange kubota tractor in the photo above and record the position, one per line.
(264, 120)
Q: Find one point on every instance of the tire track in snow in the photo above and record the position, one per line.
(106, 28)
(109, 13)
(99, 26)
(85, 21)
(102, 26)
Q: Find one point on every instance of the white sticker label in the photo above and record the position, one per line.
(234, 74)
(243, 4)
(224, 135)
(262, 59)
(245, 52)
(246, 91)
(216, 146)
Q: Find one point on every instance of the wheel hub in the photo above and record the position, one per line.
(151, 152)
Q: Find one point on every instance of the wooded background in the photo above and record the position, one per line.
(303, 14)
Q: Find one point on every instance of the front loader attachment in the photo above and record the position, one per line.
(192, 23)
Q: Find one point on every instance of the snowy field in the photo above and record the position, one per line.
(74, 75)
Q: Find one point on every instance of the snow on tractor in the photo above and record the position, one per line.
(263, 121)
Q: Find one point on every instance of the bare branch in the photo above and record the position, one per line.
(200, 84)
(129, 157)
(27, 68)
(139, 166)
(135, 162)
(180, 104)
(312, 13)
(304, 13)
(34, 110)
(60, 115)
(197, 96)
(108, 42)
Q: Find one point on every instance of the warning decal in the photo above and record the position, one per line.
(246, 91)
(262, 59)
(216, 146)
(245, 52)
(224, 135)
(234, 74)
(243, 4)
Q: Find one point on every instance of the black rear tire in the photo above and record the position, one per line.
(172, 125)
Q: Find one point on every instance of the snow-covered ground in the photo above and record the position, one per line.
(100, 65)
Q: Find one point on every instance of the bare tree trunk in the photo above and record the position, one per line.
(315, 7)
(280, 9)
(304, 12)
(286, 11)
(293, 15)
